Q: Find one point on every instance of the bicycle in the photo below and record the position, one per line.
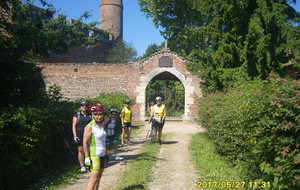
(150, 136)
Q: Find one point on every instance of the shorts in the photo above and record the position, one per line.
(111, 139)
(127, 124)
(80, 136)
(159, 124)
(98, 163)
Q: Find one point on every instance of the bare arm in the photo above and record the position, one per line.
(86, 138)
(165, 114)
(74, 126)
(122, 116)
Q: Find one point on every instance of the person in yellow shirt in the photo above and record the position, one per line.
(158, 116)
(126, 117)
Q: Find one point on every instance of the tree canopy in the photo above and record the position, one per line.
(151, 49)
(122, 52)
(226, 41)
(27, 34)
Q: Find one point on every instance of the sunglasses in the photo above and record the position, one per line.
(113, 114)
(98, 114)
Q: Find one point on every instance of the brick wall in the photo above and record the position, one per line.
(79, 80)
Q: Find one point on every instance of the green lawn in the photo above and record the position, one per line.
(139, 171)
(213, 169)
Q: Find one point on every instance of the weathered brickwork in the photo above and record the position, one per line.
(83, 55)
(78, 80)
(111, 17)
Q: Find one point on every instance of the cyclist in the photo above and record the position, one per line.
(80, 120)
(158, 116)
(111, 132)
(94, 146)
(126, 116)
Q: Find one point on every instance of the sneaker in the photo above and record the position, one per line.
(83, 169)
(117, 157)
(160, 142)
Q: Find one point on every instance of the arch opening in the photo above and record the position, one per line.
(171, 89)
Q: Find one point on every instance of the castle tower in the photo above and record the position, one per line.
(111, 18)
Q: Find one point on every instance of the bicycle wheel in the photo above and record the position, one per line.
(153, 131)
(150, 136)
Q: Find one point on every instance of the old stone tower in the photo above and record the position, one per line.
(111, 18)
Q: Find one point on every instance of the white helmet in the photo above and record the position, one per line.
(158, 98)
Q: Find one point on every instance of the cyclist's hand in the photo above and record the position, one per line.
(76, 139)
(151, 119)
(87, 161)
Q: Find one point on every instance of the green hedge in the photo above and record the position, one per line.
(33, 141)
(36, 140)
(256, 126)
(110, 100)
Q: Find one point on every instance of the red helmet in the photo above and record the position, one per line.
(97, 108)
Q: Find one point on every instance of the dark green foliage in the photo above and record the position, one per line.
(151, 49)
(110, 100)
(33, 140)
(28, 34)
(172, 93)
(256, 126)
(122, 52)
(218, 37)
(35, 129)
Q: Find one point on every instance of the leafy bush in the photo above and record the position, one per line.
(33, 140)
(256, 126)
(110, 100)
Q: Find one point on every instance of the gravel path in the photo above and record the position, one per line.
(174, 168)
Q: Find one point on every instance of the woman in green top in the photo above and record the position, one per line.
(126, 117)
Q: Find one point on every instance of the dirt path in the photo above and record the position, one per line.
(113, 172)
(174, 168)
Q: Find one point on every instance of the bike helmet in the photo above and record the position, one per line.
(97, 108)
(158, 98)
(84, 103)
(127, 101)
(114, 110)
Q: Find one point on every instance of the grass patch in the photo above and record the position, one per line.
(57, 178)
(139, 171)
(211, 166)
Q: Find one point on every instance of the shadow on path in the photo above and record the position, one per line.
(134, 187)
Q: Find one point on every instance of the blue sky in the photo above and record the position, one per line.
(137, 29)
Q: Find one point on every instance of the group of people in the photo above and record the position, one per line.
(93, 131)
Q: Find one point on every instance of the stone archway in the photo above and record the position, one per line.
(144, 81)
(79, 80)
